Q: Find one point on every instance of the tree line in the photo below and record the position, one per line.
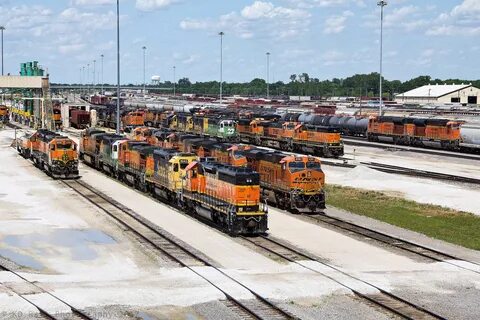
(304, 85)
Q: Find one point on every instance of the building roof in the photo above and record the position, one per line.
(433, 91)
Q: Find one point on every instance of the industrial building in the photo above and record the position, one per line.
(446, 93)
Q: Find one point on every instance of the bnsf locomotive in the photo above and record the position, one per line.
(415, 131)
(295, 183)
(4, 114)
(55, 154)
(262, 130)
(228, 196)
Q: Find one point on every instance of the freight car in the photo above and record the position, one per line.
(55, 154)
(470, 138)
(415, 131)
(79, 119)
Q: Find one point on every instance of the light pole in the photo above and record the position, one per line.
(93, 83)
(268, 75)
(102, 56)
(221, 34)
(144, 68)
(174, 81)
(382, 4)
(83, 77)
(118, 67)
(87, 80)
(2, 28)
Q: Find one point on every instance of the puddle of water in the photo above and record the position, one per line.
(21, 259)
(144, 316)
(78, 241)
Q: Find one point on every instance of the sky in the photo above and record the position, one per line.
(324, 38)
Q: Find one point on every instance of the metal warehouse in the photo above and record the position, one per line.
(465, 94)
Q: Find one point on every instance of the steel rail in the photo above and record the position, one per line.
(253, 309)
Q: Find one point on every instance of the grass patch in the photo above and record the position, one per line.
(453, 226)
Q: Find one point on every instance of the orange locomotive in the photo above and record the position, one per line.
(415, 131)
(291, 136)
(290, 181)
(133, 119)
(227, 195)
(4, 114)
(55, 154)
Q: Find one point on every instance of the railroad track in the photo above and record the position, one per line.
(419, 173)
(360, 288)
(404, 171)
(180, 253)
(357, 141)
(401, 244)
(29, 288)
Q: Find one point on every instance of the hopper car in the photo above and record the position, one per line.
(57, 155)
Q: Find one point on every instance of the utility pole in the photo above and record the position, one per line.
(221, 34)
(382, 4)
(268, 75)
(118, 67)
(2, 28)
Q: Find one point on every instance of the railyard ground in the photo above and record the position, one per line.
(69, 247)
(438, 222)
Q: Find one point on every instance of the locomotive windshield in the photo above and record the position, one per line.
(296, 166)
(64, 145)
(312, 165)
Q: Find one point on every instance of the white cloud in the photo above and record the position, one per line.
(333, 57)
(462, 20)
(92, 2)
(151, 5)
(326, 3)
(336, 24)
(259, 18)
(467, 8)
(71, 48)
(191, 59)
